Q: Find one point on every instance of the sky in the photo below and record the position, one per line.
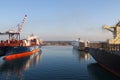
(61, 19)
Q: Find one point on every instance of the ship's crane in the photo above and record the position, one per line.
(16, 34)
(114, 29)
(110, 28)
(22, 24)
(116, 33)
(19, 26)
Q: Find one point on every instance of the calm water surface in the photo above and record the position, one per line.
(55, 63)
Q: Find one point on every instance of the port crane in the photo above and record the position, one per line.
(116, 33)
(20, 26)
(15, 34)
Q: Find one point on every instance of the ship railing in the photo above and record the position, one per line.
(95, 45)
(10, 43)
(106, 47)
(111, 47)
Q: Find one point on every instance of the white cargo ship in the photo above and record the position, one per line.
(81, 44)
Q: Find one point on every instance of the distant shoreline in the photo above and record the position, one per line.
(57, 43)
(93, 44)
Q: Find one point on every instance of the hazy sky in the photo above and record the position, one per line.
(61, 19)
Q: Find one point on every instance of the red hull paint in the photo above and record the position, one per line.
(20, 55)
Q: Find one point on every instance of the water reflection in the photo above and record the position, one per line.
(98, 73)
(14, 69)
(82, 55)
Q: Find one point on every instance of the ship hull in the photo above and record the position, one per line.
(81, 49)
(108, 60)
(76, 47)
(11, 53)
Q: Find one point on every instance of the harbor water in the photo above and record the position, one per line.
(55, 63)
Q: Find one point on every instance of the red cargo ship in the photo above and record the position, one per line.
(14, 47)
